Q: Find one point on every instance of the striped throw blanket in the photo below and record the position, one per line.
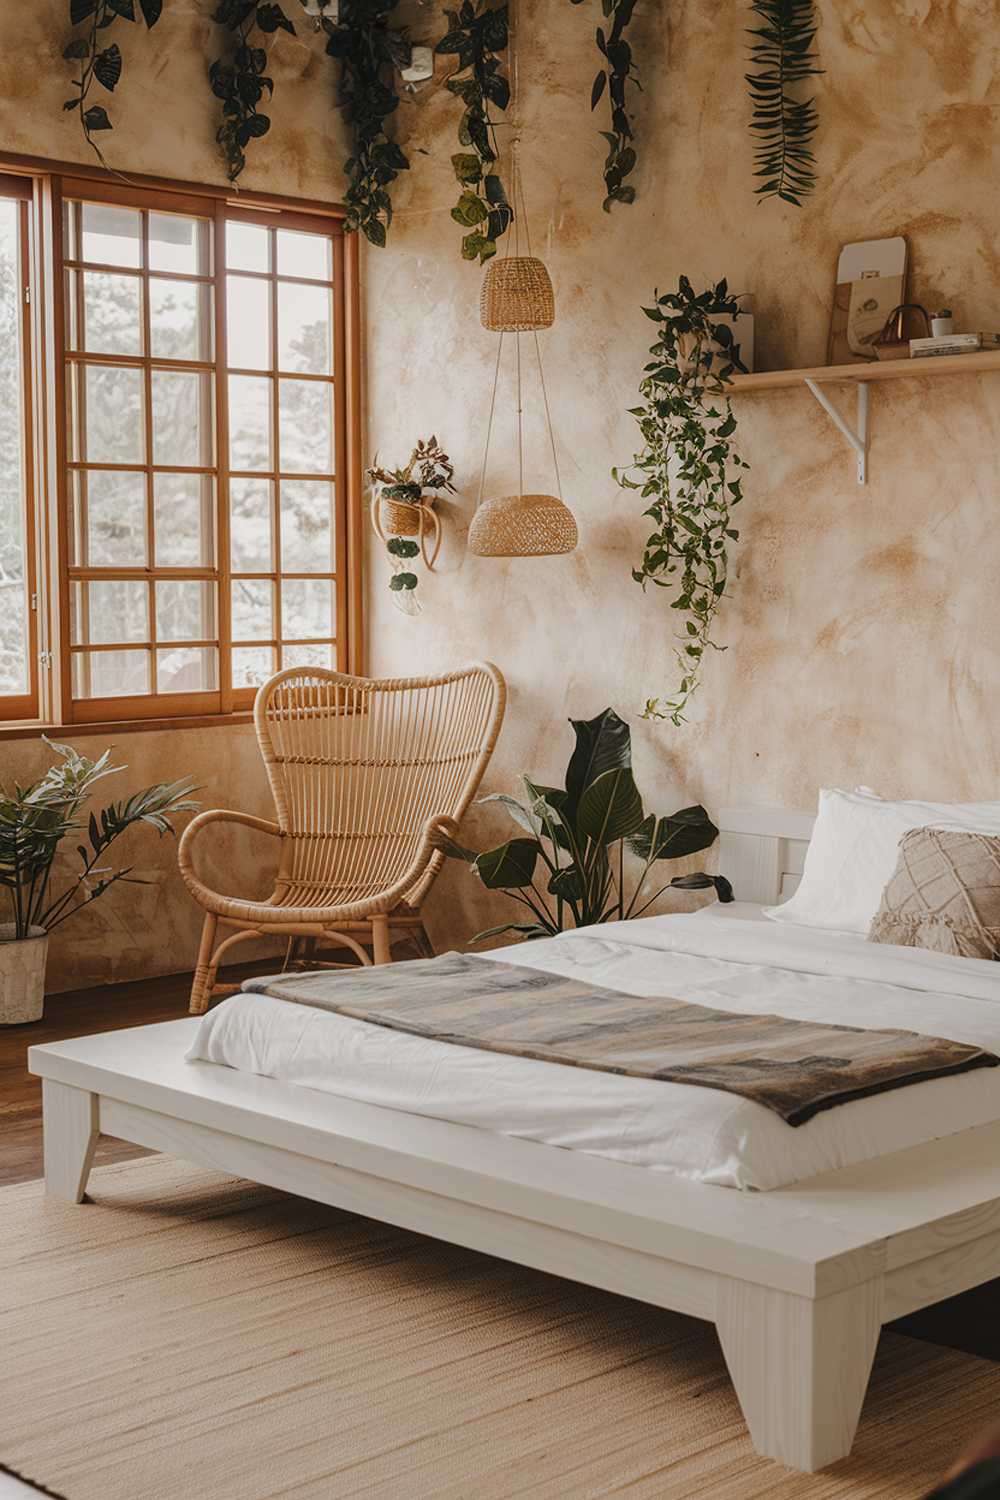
(795, 1068)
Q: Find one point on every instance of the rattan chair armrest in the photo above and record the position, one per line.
(198, 889)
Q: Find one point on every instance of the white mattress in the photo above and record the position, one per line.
(726, 957)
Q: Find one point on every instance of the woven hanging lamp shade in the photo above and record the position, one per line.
(517, 295)
(522, 526)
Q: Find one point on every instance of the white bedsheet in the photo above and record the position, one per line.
(721, 956)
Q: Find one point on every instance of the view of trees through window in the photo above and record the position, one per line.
(15, 676)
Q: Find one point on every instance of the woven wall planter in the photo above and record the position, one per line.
(22, 975)
(517, 295)
(400, 512)
(522, 526)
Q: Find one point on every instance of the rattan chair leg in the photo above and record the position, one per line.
(381, 948)
(204, 972)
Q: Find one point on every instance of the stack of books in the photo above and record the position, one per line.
(954, 343)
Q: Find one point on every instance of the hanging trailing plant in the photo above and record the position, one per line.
(369, 50)
(239, 79)
(688, 469)
(784, 124)
(613, 78)
(476, 35)
(100, 61)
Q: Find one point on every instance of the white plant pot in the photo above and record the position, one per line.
(22, 975)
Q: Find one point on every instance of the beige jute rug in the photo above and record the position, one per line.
(188, 1336)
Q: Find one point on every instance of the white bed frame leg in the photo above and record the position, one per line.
(800, 1366)
(70, 1128)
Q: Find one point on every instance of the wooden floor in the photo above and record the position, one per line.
(970, 1322)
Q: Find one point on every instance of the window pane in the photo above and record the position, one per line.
(14, 673)
(250, 525)
(110, 674)
(183, 422)
(305, 328)
(247, 247)
(185, 610)
(252, 609)
(248, 323)
(252, 665)
(308, 656)
(107, 425)
(112, 236)
(306, 426)
(304, 255)
(306, 608)
(184, 515)
(180, 319)
(180, 244)
(103, 312)
(306, 526)
(187, 669)
(104, 611)
(249, 422)
(108, 526)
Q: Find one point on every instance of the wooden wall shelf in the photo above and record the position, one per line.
(861, 376)
(893, 369)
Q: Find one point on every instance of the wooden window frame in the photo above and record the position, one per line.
(43, 186)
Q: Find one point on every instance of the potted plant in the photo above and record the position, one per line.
(33, 822)
(570, 868)
(403, 508)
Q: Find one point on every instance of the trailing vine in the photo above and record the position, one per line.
(100, 63)
(782, 52)
(477, 34)
(613, 77)
(688, 469)
(240, 80)
(369, 50)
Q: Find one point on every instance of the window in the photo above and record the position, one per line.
(197, 355)
(18, 596)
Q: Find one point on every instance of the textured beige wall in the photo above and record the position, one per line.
(862, 623)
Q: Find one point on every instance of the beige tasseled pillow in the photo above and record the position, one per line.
(944, 894)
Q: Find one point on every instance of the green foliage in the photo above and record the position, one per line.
(100, 61)
(688, 469)
(427, 468)
(613, 77)
(577, 837)
(35, 819)
(477, 33)
(784, 124)
(239, 79)
(369, 50)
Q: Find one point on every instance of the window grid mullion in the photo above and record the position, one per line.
(276, 599)
(147, 400)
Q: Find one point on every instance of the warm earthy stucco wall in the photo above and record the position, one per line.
(862, 623)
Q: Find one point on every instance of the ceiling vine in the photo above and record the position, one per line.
(360, 35)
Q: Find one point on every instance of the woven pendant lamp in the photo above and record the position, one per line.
(517, 295)
(517, 298)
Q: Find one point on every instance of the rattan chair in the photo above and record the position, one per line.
(365, 775)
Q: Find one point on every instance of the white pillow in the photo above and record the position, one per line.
(853, 853)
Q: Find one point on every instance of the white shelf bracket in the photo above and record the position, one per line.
(858, 439)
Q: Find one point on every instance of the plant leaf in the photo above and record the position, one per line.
(610, 808)
(509, 867)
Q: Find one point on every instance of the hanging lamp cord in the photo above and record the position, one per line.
(519, 210)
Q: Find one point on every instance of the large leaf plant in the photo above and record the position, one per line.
(589, 849)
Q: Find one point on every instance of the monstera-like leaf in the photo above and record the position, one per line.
(687, 832)
(610, 808)
(602, 744)
(509, 867)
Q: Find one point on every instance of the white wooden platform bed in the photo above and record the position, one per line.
(798, 1280)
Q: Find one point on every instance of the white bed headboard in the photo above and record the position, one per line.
(762, 849)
